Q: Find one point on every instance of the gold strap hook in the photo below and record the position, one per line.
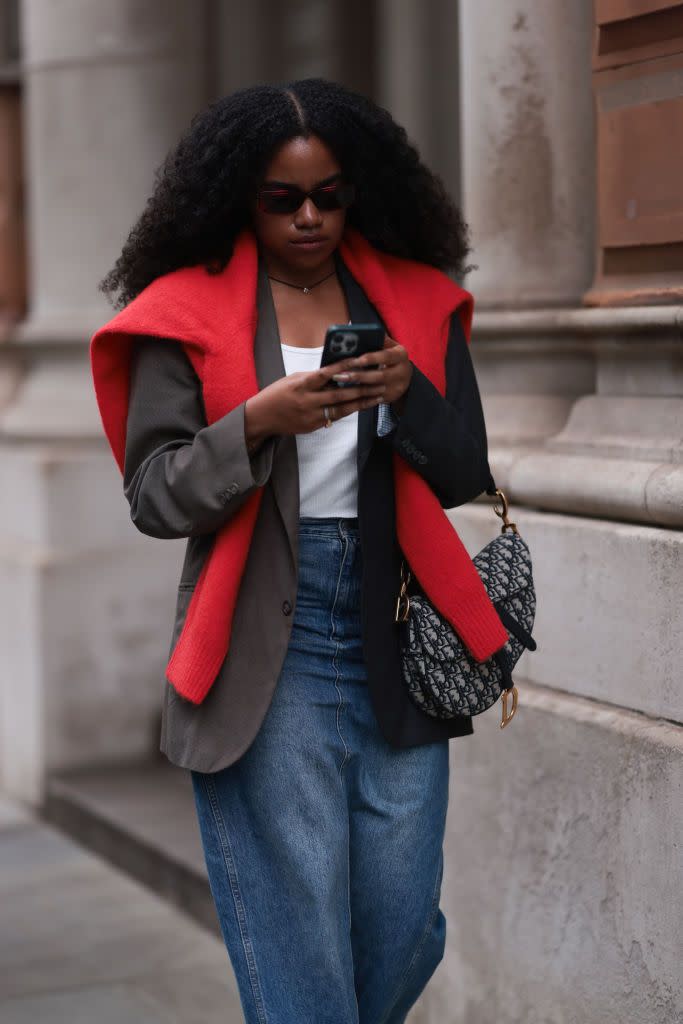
(506, 718)
(403, 600)
(502, 512)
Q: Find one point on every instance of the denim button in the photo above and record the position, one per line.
(286, 608)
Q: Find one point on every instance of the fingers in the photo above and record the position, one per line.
(393, 356)
(378, 367)
(366, 377)
(322, 377)
(338, 396)
(383, 357)
(342, 409)
(390, 356)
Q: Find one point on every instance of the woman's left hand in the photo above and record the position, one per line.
(389, 366)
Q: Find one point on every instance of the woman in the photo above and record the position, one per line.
(321, 790)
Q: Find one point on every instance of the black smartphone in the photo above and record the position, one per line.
(344, 341)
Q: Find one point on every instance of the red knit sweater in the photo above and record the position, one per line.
(214, 318)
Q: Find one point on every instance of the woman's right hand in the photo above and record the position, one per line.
(294, 404)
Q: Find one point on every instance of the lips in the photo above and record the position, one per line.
(310, 240)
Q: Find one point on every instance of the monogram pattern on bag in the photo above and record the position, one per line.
(442, 677)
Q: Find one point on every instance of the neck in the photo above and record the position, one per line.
(301, 276)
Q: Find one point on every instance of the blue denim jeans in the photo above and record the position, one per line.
(324, 844)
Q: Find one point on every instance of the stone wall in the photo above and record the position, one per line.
(565, 830)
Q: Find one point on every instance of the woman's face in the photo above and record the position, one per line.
(304, 240)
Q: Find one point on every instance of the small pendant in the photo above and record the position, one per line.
(306, 291)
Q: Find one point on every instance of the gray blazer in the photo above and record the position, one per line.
(184, 478)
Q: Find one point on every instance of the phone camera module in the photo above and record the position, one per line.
(344, 343)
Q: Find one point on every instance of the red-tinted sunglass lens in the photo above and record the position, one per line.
(281, 200)
(331, 197)
(326, 198)
(288, 200)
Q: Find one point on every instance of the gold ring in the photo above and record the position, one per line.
(328, 418)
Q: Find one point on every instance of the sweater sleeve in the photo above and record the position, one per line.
(182, 477)
(444, 437)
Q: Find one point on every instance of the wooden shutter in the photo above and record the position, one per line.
(638, 88)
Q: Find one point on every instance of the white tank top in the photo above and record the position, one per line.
(328, 475)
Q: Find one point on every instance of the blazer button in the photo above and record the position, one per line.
(286, 608)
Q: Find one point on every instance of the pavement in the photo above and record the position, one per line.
(141, 817)
(82, 942)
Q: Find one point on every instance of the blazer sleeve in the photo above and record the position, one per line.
(444, 438)
(182, 477)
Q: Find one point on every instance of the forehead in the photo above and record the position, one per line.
(302, 162)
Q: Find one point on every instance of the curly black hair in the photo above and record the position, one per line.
(203, 188)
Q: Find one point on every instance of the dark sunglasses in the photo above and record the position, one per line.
(289, 198)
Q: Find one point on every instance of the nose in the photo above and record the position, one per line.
(308, 214)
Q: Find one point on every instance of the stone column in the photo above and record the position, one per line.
(527, 159)
(85, 601)
(418, 78)
(528, 149)
(269, 42)
(108, 89)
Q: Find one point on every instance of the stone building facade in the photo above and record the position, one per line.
(559, 127)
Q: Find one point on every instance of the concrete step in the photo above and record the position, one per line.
(141, 817)
(82, 942)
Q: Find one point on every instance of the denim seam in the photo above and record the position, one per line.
(240, 911)
(318, 534)
(345, 549)
(420, 946)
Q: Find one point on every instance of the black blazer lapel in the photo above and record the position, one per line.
(361, 310)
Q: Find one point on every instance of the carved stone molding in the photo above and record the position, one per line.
(584, 410)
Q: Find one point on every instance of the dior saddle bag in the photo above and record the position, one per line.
(442, 677)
